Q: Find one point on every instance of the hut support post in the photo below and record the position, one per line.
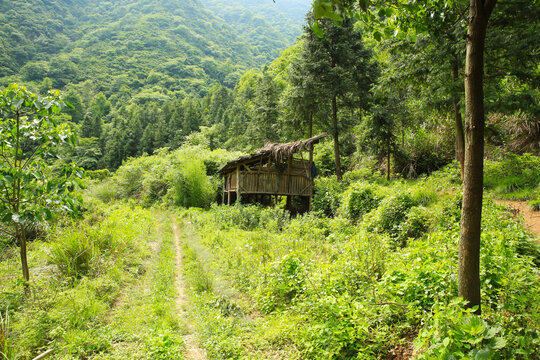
(238, 183)
(224, 189)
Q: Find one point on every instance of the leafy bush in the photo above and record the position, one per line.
(192, 187)
(421, 154)
(89, 249)
(334, 329)
(327, 195)
(75, 253)
(323, 157)
(129, 177)
(452, 332)
(365, 169)
(164, 345)
(415, 225)
(284, 282)
(535, 204)
(250, 217)
(185, 177)
(392, 212)
(98, 174)
(105, 191)
(535, 199)
(359, 199)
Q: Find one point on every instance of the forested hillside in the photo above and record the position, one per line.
(140, 217)
(156, 49)
(266, 23)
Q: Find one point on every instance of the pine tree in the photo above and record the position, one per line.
(341, 70)
(266, 101)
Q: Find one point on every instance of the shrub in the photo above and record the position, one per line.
(535, 204)
(535, 199)
(154, 190)
(98, 174)
(423, 195)
(285, 280)
(250, 217)
(327, 195)
(391, 214)
(74, 252)
(365, 169)
(421, 154)
(415, 225)
(106, 191)
(359, 199)
(453, 332)
(323, 157)
(129, 177)
(192, 187)
(87, 249)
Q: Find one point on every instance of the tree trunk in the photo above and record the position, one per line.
(21, 238)
(310, 135)
(471, 214)
(388, 154)
(460, 137)
(24, 262)
(311, 159)
(336, 138)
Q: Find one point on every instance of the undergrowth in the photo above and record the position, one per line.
(364, 283)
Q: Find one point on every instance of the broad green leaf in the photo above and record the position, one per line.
(499, 343)
(317, 30)
(446, 342)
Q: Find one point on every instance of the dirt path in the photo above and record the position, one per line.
(532, 218)
(192, 351)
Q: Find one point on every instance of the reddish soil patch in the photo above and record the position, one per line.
(521, 208)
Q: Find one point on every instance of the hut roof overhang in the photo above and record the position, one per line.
(276, 151)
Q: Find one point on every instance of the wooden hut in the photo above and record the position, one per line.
(273, 170)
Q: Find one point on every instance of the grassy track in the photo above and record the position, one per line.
(102, 289)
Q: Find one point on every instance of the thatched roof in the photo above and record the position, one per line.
(277, 151)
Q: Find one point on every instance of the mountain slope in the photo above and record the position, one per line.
(147, 50)
(261, 20)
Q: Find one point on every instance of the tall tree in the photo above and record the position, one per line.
(415, 16)
(342, 72)
(302, 98)
(266, 111)
(471, 214)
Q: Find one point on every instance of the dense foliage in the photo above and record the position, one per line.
(379, 279)
(165, 92)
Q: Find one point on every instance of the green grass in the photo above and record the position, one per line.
(103, 288)
(515, 177)
(146, 317)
